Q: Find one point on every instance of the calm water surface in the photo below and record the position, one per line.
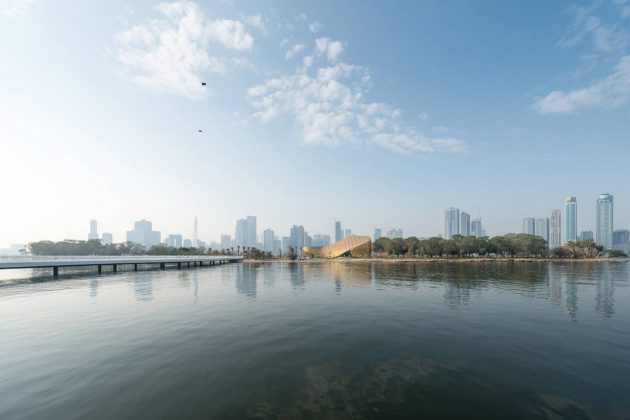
(319, 340)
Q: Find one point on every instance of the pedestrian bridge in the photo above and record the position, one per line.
(54, 262)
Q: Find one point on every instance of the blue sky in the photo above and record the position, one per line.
(379, 116)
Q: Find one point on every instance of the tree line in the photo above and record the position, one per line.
(95, 247)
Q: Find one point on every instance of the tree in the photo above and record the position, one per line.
(574, 248)
(589, 248)
(291, 253)
(616, 253)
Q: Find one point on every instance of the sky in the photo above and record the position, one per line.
(374, 115)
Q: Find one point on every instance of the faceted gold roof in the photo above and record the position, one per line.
(358, 246)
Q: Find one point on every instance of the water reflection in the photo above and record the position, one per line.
(605, 293)
(143, 287)
(245, 281)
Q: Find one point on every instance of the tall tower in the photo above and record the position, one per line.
(338, 231)
(451, 222)
(195, 240)
(464, 224)
(93, 230)
(555, 234)
(529, 225)
(570, 219)
(604, 222)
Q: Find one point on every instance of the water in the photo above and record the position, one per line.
(319, 340)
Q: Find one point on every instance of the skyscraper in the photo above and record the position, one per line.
(541, 228)
(621, 240)
(377, 234)
(394, 233)
(529, 225)
(338, 231)
(226, 241)
(174, 241)
(108, 239)
(252, 231)
(464, 224)
(245, 234)
(604, 221)
(570, 219)
(144, 234)
(451, 222)
(475, 228)
(297, 238)
(555, 232)
(194, 234)
(347, 233)
(93, 235)
(269, 241)
(321, 240)
(586, 234)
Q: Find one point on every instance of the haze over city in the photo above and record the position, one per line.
(497, 106)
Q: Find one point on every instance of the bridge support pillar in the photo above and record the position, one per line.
(99, 268)
(179, 265)
(55, 272)
(162, 266)
(188, 264)
(135, 267)
(200, 263)
(114, 268)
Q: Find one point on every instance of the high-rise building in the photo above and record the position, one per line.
(226, 241)
(93, 235)
(395, 233)
(286, 243)
(321, 240)
(377, 234)
(338, 231)
(269, 242)
(555, 229)
(529, 225)
(143, 234)
(451, 222)
(541, 228)
(476, 229)
(194, 234)
(464, 224)
(252, 231)
(621, 240)
(604, 221)
(297, 237)
(187, 243)
(586, 234)
(347, 233)
(570, 219)
(174, 241)
(108, 239)
(245, 234)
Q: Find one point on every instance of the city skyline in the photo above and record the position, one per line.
(416, 122)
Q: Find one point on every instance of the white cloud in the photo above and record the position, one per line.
(257, 21)
(12, 8)
(326, 46)
(611, 91)
(296, 49)
(170, 54)
(327, 105)
(423, 116)
(315, 26)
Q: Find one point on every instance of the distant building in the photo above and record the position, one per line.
(175, 241)
(476, 229)
(451, 222)
(377, 234)
(395, 233)
(93, 235)
(347, 233)
(286, 243)
(321, 240)
(464, 224)
(542, 228)
(277, 246)
(570, 219)
(107, 239)
(269, 242)
(226, 241)
(245, 234)
(194, 234)
(621, 240)
(604, 221)
(338, 231)
(586, 234)
(555, 229)
(529, 225)
(143, 234)
(297, 237)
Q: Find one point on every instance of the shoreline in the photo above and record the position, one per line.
(444, 260)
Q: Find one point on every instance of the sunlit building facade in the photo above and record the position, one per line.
(570, 219)
(604, 221)
(555, 229)
(354, 246)
(451, 222)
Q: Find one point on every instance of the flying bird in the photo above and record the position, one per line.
(203, 83)
(201, 131)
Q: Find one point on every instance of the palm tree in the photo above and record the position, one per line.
(590, 248)
(573, 247)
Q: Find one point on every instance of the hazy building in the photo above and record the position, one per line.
(286, 243)
(555, 229)
(107, 239)
(187, 243)
(377, 234)
(245, 234)
(464, 224)
(586, 234)
(621, 240)
(338, 231)
(604, 221)
(529, 225)
(174, 240)
(297, 237)
(269, 243)
(541, 228)
(451, 222)
(194, 234)
(395, 233)
(570, 219)
(277, 246)
(321, 240)
(144, 234)
(476, 229)
(226, 241)
(347, 233)
(93, 235)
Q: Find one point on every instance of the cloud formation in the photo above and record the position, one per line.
(169, 54)
(12, 8)
(326, 101)
(611, 91)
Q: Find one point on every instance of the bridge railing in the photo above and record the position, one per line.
(27, 258)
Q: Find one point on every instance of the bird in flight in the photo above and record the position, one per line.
(201, 131)
(203, 83)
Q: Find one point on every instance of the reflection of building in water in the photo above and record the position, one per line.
(143, 287)
(93, 287)
(605, 290)
(571, 301)
(554, 284)
(457, 293)
(246, 277)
